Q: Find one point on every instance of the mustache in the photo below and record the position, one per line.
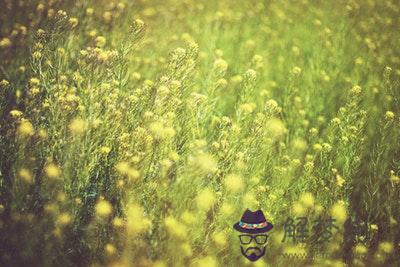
(257, 250)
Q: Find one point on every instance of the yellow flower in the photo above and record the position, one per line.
(110, 249)
(89, 11)
(275, 128)
(105, 149)
(118, 222)
(73, 22)
(64, 218)
(100, 41)
(34, 81)
(339, 212)
(220, 65)
(205, 199)
(234, 183)
(389, 115)
(355, 90)
(124, 168)
(227, 209)
(339, 180)
(136, 223)
(103, 208)
(207, 261)
(52, 171)
(307, 199)
(175, 228)
(16, 113)
(296, 70)
(317, 147)
(26, 175)
(386, 247)
(77, 126)
(26, 128)
(219, 239)
(4, 83)
(5, 42)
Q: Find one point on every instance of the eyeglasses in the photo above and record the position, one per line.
(260, 239)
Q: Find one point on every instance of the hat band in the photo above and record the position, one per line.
(252, 225)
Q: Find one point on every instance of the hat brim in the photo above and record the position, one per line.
(265, 229)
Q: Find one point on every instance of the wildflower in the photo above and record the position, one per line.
(247, 108)
(222, 83)
(219, 239)
(89, 11)
(100, 41)
(296, 70)
(26, 128)
(136, 222)
(5, 42)
(307, 199)
(186, 249)
(73, 22)
(338, 211)
(205, 199)
(160, 131)
(52, 171)
(389, 115)
(299, 145)
(275, 128)
(234, 183)
(204, 162)
(34, 81)
(272, 106)
(139, 23)
(103, 208)
(107, 16)
(309, 166)
(393, 177)
(207, 261)
(251, 75)
(336, 120)
(77, 126)
(118, 222)
(295, 50)
(227, 209)
(175, 228)
(136, 76)
(26, 175)
(64, 219)
(374, 227)
(355, 90)
(326, 147)
(360, 249)
(110, 249)
(250, 200)
(298, 209)
(37, 55)
(339, 180)
(386, 247)
(220, 65)
(124, 168)
(237, 79)
(105, 150)
(4, 83)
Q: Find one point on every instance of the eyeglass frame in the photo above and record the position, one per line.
(253, 237)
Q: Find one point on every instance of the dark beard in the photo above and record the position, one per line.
(253, 256)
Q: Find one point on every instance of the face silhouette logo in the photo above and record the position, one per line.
(253, 238)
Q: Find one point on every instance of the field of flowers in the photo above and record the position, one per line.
(136, 133)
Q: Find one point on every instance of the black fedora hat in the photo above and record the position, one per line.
(253, 222)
